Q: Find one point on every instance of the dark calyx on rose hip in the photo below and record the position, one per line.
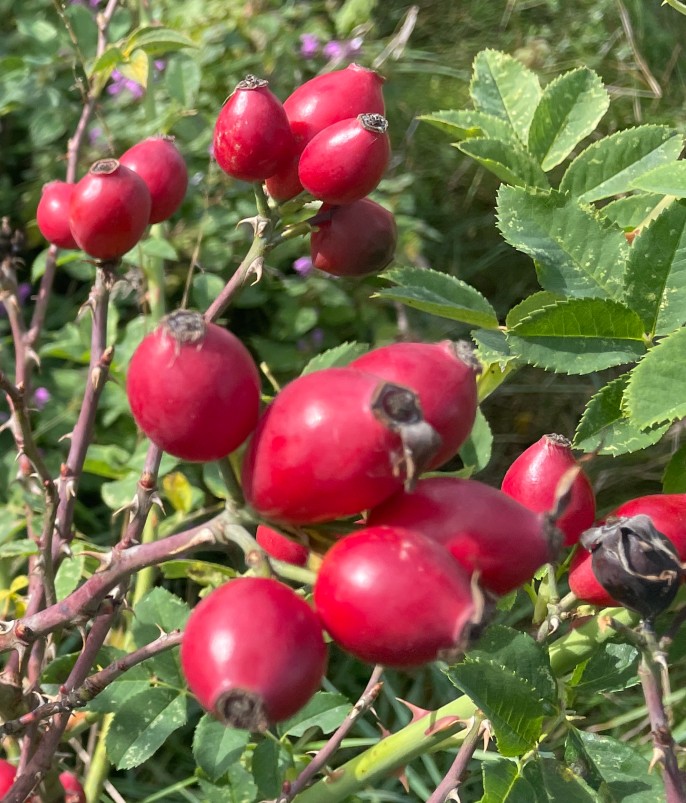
(635, 563)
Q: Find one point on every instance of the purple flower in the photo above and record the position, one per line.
(94, 134)
(309, 45)
(334, 50)
(121, 83)
(303, 266)
(41, 397)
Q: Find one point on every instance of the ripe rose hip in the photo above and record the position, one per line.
(391, 596)
(253, 652)
(252, 137)
(318, 103)
(158, 162)
(356, 239)
(109, 210)
(484, 529)
(533, 479)
(281, 546)
(443, 375)
(333, 443)
(193, 388)
(73, 790)
(346, 161)
(668, 514)
(8, 773)
(52, 214)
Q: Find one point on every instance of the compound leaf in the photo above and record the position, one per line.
(506, 160)
(470, 124)
(669, 179)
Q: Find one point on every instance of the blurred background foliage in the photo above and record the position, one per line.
(444, 204)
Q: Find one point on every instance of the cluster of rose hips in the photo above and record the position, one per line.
(73, 791)
(106, 212)
(329, 138)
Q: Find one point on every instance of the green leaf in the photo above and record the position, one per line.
(216, 747)
(439, 294)
(143, 724)
(118, 493)
(106, 461)
(632, 211)
(608, 167)
(577, 252)
(508, 677)
(238, 787)
(505, 88)
(17, 549)
(68, 575)
(554, 782)
(202, 572)
(470, 124)
(325, 711)
(178, 490)
(622, 771)
(568, 111)
(605, 427)
(674, 477)
(611, 668)
(337, 357)
(106, 62)
(182, 80)
(492, 347)
(669, 179)
(136, 67)
(579, 336)
(133, 682)
(351, 14)
(158, 611)
(269, 764)
(506, 160)
(504, 783)
(656, 392)
(476, 451)
(532, 303)
(155, 41)
(656, 272)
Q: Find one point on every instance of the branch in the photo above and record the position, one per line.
(479, 729)
(92, 686)
(290, 790)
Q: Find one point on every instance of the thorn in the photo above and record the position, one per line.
(415, 710)
(33, 356)
(96, 375)
(256, 268)
(658, 758)
(156, 499)
(443, 724)
(66, 437)
(88, 305)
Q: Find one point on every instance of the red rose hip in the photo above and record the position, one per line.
(281, 546)
(8, 773)
(443, 375)
(52, 214)
(391, 596)
(109, 210)
(252, 137)
(356, 239)
(346, 161)
(73, 790)
(193, 388)
(484, 529)
(158, 162)
(332, 444)
(534, 477)
(253, 652)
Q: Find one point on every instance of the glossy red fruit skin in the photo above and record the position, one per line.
(668, 513)
(109, 210)
(198, 399)
(356, 239)
(8, 773)
(318, 103)
(319, 452)
(533, 478)
(484, 529)
(252, 137)
(443, 375)
(73, 790)
(392, 596)
(346, 161)
(257, 636)
(158, 162)
(281, 547)
(52, 214)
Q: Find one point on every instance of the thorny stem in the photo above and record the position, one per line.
(370, 693)
(453, 777)
(67, 701)
(664, 746)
